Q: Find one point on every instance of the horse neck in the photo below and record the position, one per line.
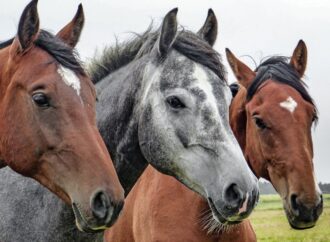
(117, 109)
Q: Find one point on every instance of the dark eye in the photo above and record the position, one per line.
(40, 99)
(175, 102)
(260, 123)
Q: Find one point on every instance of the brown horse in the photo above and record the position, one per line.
(47, 119)
(274, 133)
(272, 116)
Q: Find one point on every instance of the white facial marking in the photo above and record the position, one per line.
(155, 76)
(70, 78)
(289, 104)
(203, 83)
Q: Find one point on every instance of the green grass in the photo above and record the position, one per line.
(270, 223)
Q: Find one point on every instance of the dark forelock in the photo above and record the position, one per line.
(61, 52)
(277, 68)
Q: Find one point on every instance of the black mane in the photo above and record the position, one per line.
(186, 43)
(278, 69)
(6, 43)
(61, 52)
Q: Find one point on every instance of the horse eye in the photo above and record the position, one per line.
(40, 99)
(260, 123)
(175, 102)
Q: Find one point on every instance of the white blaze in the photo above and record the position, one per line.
(289, 104)
(70, 78)
(152, 75)
(204, 84)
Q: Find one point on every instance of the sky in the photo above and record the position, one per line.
(257, 28)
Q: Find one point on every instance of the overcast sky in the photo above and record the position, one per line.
(256, 27)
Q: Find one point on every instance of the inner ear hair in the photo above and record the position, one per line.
(28, 26)
(168, 32)
(299, 58)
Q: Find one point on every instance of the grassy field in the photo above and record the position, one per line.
(270, 223)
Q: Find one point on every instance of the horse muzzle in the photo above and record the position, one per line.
(235, 206)
(301, 216)
(103, 212)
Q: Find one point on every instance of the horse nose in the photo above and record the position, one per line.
(234, 197)
(100, 205)
(306, 214)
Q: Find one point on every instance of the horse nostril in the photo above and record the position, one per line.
(100, 205)
(294, 203)
(234, 196)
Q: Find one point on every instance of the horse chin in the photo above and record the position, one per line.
(81, 222)
(295, 222)
(220, 218)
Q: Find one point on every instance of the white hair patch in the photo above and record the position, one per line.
(70, 78)
(289, 104)
(204, 84)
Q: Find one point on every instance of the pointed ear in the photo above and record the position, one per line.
(168, 32)
(243, 73)
(70, 34)
(299, 58)
(28, 26)
(209, 31)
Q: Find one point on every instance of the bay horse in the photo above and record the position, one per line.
(160, 96)
(271, 116)
(47, 119)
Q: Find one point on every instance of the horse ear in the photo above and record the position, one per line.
(168, 32)
(299, 58)
(209, 31)
(28, 26)
(243, 73)
(70, 34)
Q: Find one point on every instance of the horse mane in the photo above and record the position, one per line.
(62, 53)
(6, 43)
(277, 68)
(186, 43)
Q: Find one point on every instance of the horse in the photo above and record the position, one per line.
(273, 99)
(272, 116)
(159, 208)
(175, 96)
(47, 119)
(160, 96)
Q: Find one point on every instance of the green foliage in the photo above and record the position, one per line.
(270, 223)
